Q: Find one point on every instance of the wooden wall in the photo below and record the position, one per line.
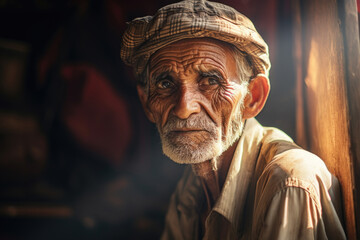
(328, 91)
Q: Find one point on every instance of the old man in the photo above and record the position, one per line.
(202, 71)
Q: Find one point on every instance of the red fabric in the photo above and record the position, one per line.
(51, 54)
(96, 115)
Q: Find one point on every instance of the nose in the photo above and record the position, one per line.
(187, 103)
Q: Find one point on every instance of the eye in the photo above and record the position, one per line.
(209, 81)
(213, 81)
(164, 84)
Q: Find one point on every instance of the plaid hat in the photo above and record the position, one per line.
(193, 19)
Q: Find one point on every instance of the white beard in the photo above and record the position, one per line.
(209, 145)
(185, 149)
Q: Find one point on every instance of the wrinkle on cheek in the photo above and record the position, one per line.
(225, 100)
(156, 105)
(226, 96)
(231, 93)
(159, 105)
(217, 100)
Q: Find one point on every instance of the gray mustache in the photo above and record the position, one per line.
(200, 121)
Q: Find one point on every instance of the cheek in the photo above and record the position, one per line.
(226, 97)
(159, 105)
(224, 102)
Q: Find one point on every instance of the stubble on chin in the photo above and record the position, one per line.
(201, 146)
(191, 147)
(205, 145)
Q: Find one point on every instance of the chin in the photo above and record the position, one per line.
(189, 154)
(194, 148)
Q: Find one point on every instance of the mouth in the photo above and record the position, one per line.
(188, 133)
(193, 137)
(188, 130)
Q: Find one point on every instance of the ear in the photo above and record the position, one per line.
(143, 99)
(259, 88)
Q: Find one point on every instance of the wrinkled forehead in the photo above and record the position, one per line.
(192, 52)
(193, 44)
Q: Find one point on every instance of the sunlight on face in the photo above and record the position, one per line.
(196, 98)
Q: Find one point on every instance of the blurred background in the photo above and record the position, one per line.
(78, 158)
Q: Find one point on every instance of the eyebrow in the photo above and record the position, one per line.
(159, 75)
(162, 74)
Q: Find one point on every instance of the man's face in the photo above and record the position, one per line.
(195, 99)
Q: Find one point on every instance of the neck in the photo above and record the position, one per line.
(213, 174)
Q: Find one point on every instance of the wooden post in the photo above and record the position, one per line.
(325, 112)
(350, 27)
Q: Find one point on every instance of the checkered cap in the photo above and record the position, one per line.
(193, 19)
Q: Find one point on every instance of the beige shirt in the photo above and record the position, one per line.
(273, 190)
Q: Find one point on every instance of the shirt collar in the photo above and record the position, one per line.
(231, 202)
(232, 199)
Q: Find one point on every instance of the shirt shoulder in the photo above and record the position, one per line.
(293, 180)
(283, 164)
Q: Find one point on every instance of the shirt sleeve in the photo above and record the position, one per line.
(293, 214)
